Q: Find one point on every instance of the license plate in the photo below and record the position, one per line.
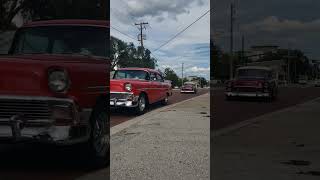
(5, 131)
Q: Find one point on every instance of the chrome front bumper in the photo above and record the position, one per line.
(187, 91)
(123, 99)
(42, 119)
(247, 94)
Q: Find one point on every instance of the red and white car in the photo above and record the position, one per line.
(53, 87)
(136, 88)
(189, 87)
(253, 81)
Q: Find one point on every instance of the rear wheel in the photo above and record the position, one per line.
(165, 100)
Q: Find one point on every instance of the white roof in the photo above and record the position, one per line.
(255, 67)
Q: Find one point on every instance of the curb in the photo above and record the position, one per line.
(227, 130)
(120, 127)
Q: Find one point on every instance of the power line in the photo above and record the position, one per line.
(124, 33)
(182, 30)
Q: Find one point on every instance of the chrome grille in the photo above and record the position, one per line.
(31, 109)
(119, 95)
(246, 89)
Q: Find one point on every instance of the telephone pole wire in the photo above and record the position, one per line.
(141, 36)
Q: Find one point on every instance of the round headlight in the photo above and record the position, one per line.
(58, 80)
(128, 87)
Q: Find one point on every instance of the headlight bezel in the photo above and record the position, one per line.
(127, 87)
(66, 80)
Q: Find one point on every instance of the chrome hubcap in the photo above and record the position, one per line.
(101, 138)
(142, 103)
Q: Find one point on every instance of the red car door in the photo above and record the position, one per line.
(162, 87)
(153, 88)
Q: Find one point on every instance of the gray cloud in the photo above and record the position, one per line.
(270, 22)
(159, 9)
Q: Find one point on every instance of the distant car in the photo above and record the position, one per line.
(253, 81)
(317, 83)
(189, 87)
(303, 80)
(136, 88)
(176, 87)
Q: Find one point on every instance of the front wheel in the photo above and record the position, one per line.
(98, 146)
(142, 104)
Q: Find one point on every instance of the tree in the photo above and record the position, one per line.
(51, 9)
(127, 55)
(169, 74)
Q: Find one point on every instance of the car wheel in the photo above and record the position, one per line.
(98, 146)
(142, 105)
(165, 100)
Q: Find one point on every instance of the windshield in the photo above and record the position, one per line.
(131, 74)
(83, 40)
(253, 73)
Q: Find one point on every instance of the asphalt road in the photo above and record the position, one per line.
(121, 115)
(38, 162)
(225, 113)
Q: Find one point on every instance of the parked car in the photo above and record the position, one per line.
(170, 84)
(53, 87)
(253, 81)
(303, 80)
(189, 87)
(317, 83)
(136, 88)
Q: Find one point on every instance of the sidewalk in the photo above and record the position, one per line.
(282, 145)
(169, 143)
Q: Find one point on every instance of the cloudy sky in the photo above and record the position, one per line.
(286, 23)
(166, 18)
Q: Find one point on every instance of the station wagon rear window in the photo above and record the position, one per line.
(83, 40)
(131, 74)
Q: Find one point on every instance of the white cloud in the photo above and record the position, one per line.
(199, 69)
(166, 18)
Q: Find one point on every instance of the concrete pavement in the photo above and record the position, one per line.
(171, 143)
(280, 145)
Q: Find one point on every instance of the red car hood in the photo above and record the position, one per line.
(117, 85)
(27, 74)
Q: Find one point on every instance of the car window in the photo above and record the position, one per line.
(131, 74)
(159, 78)
(153, 76)
(62, 40)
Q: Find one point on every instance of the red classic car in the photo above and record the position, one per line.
(253, 81)
(189, 87)
(137, 87)
(54, 84)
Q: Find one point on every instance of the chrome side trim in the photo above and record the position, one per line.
(41, 98)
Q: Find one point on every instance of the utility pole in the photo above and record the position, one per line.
(182, 76)
(242, 51)
(231, 39)
(288, 68)
(141, 27)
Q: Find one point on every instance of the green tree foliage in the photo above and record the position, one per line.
(51, 9)
(127, 55)
(169, 74)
